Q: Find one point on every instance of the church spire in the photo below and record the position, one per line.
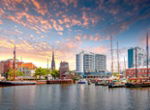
(53, 61)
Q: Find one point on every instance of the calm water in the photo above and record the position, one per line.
(73, 97)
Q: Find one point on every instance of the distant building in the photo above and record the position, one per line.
(88, 62)
(8, 64)
(26, 68)
(63, 69)
(100, 63)
(137, 72)
(136, 57)
(53, 61)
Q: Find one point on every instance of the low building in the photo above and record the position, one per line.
(137, 72)
(27, 68)
(6, 65)
(63, 69)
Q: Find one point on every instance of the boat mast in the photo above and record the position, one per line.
(112, 58)
(147, 55)
(124, 67)
(136, 62)
(14, 63)
(118, 60)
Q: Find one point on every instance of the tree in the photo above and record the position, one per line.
(11, 73)
(39, 72)
(42, 72)
(55, 73)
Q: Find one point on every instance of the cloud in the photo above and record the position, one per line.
(40, 8)
(100, 49)
(1, 22)
(1, 11)
(65, 50)
(32, 22)
(69, 2)
(96, 37)
(89, 18)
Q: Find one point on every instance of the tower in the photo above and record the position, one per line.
(53, 61)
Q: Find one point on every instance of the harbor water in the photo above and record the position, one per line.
(73, 97)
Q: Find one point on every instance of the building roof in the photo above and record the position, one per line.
(91, 53)
(28, 65)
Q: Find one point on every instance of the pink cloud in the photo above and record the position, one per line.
(69, 2)
(1, 22)
(95, 37)
(42, 9)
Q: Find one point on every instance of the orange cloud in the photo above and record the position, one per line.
(33, 22)
(1, 22)
(1, 11)
(42, 9)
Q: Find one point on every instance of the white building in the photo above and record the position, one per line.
(100, 63)
(90, 62)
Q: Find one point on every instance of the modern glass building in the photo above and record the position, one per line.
(136, 56)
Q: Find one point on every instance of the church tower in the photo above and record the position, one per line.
(53, 61)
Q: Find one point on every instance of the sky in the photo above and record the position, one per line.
(37, 27)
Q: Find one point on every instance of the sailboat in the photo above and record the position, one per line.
(117, 83)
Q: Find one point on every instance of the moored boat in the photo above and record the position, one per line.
(134, 85)
(138, 82)
(16, 83)
(114, 85)
(117, 84)
(102, 83)
(82, 81)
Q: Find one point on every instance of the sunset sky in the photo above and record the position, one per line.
(69, 26)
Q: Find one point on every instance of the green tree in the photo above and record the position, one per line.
(42, 72)
(55, 73)
(11, 73)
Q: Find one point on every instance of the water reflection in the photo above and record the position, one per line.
(73, 97)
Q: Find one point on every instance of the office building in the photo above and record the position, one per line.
(88, 62)
(136, 57)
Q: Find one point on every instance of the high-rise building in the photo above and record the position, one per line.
(63, 69)
(88, 62)
(136, 57)
(53, 61)
(100, 63)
